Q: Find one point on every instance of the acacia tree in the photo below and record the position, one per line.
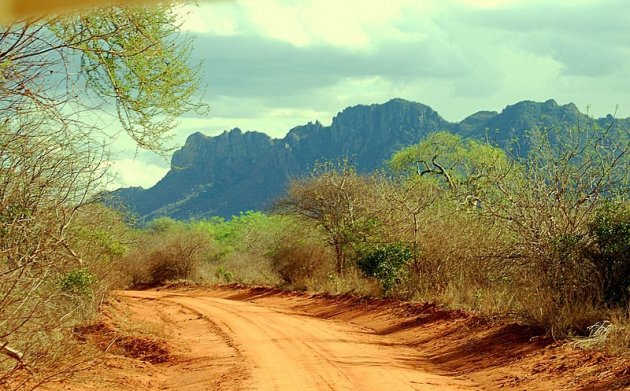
(465, 167)
(443, 187)
(53, 72)
(337, 199)
(407, 199)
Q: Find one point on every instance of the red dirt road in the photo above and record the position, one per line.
(275, 349)
(264, 339)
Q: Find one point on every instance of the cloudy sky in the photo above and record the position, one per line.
(270, 65)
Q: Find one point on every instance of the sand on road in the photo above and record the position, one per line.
(261, 338)
(255, 347)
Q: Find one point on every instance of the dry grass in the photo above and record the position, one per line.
(611, 335)
(130, 323)
(246, 268)
(350, 283)
(618, 339)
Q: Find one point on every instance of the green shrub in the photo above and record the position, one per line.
(611, 229)
(77, 282)
(386, 263)
(223, 274)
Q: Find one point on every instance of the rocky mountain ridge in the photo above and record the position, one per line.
(238, 171)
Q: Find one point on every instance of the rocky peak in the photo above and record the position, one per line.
(238, 171)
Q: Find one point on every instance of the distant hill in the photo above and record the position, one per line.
(238, 171)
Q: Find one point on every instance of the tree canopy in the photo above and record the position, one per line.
(465, 166)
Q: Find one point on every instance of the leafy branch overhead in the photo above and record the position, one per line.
(131, 60)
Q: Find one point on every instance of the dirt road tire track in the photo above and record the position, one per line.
(274, 349)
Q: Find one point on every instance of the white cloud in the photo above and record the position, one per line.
(487, 4)
(216, 17)
(302, 23)
(279, 21)
(134, 172)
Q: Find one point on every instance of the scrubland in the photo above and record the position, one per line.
(542, 240)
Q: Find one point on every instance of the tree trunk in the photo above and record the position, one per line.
(340, 261)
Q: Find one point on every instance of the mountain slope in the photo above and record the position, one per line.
(236, 171)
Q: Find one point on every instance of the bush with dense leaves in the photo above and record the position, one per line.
(611, 258)
(77, 282)
(386, 263)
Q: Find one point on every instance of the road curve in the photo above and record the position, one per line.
(276, 349)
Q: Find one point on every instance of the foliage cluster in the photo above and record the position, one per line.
(610, 254)
(206, 251)
(167, 251)
(386, 263)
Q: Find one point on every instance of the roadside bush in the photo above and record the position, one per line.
(161, 255)
(101, 237)
(77, 282)
(224, 275)
(339, 202)
(462, 259)
(50, 279)
(529, 236)
(611, 255)
(242, 247)
(558, 213)
(299, 259)
(352, 282)
(386, 263)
